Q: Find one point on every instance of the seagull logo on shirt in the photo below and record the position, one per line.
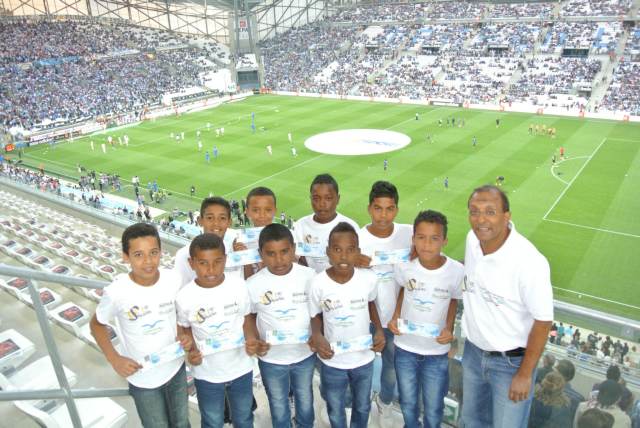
(285, 311)
(344, 318)
(423, 302)
(218, 326)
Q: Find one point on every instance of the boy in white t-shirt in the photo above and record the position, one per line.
(383, 234)
(341, 304)
(313, 230)
(426, 305)
(261, 208)
(142, 303)
(214, 310)
(279, 304)
(215, 217)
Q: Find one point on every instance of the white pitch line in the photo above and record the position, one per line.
(597, 229)
(307, 161)
(597, 298)
(558, 164)
(544, 217)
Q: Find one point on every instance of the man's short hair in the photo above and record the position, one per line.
(492, 188)
(343, 227)
(138, 230)
(215, 200)
(274, 232)
(206, 241)
(609, 392)
(595, 418)
(566, 369)
(613, 373)
(260, 191)
(383, 189)
(430, 216)
(324, 179)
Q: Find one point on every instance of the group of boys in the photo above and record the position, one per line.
(327, 297)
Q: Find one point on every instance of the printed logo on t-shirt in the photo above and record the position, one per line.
(385, 275)
(202, 314)
(468, 285)
(136, 312)
(231, 309)
(301, 297)
(344, 321)
(358, 304)
(285, 314)
(329, 305)
(270, 297)
(440, 293)
(413, 285)
(421, 304)
(490, 297)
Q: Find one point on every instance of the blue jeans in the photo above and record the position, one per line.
(429, 373)
(335, 382)
(388, 389)
(278, 379)
(211, 401)
(165, 406)
(486, 381)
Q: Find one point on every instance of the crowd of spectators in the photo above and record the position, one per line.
(381, 13)
(522, 10)
(66, 71)
(623, 93)
(449, 38)
(292, 60)
(520, 38)
(577, 35)
(457, 10)
(552, 75)
(595, 8)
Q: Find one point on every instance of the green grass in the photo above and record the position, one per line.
(584, 218)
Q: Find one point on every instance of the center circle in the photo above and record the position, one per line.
(353, 142)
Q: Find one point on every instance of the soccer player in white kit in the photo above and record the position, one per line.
(290, 138)
(104, 148)
(269, 150)
(92, 148)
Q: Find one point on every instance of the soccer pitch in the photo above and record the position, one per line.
(582, 213)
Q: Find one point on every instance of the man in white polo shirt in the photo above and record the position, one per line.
(508, 310)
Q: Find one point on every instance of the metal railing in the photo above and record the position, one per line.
(64, 392)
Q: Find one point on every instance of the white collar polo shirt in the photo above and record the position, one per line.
(504, 292)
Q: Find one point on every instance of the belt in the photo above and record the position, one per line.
(517, 352)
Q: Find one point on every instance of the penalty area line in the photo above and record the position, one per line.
(591, 296)
(597, 229)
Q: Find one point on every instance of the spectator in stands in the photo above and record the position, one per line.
(568, 371)
(608, 397)
(547, 366)
(626, 397)
(595, 418)
(504, 342)
(551, 406)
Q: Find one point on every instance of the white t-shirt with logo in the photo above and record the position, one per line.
(146, 319)
(427, 294)
(214, 313)
(345, 312)
(387, 288)
(309, 231)
(504, 292)
(281, 302)
(181, 264)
